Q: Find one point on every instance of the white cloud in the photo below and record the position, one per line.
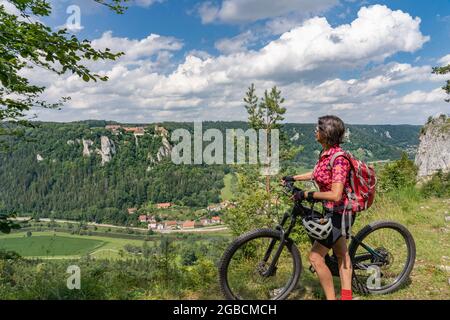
(445, 60)
(423, 97)
(9, 7)
(238, 43)
(146, 3)
(137, 49)
(239, 11)
(304, 63)
(376, 34)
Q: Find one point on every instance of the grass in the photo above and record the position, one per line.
(226, 193)
(64, 246)
(49, 245)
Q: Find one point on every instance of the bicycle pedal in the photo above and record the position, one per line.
(311, 268)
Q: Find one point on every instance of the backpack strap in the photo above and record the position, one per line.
(337, 154)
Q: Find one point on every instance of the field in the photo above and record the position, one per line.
(63, 245)
(49, 245)
(227, 193)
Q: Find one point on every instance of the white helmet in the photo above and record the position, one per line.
(317, 227)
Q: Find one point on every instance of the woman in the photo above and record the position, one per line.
(332, 182)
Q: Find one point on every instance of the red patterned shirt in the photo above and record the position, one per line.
(325, 177)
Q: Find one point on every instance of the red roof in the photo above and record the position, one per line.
(171, 223)
(134, 129)
(163, 205)
(215, 218)
(189, 224)
(142, 217)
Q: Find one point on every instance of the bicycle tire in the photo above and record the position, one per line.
(407, 236)
(243, 239)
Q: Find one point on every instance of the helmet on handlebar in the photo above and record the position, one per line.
(317, 227)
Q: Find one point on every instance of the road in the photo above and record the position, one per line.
(205, 229)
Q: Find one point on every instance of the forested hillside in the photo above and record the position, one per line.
(82, 170)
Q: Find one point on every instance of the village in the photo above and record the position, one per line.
(163, 225)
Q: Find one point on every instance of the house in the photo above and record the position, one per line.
(137, 131)
(142, 218)
(227, 204)
(214, 207)
(205, 222)
(189, 224)
(113, 127)
(132, 210)
(215, 220)
(152, 226)
(170, 225)
(164, 205)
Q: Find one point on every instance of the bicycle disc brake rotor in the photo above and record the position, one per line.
(386, 260)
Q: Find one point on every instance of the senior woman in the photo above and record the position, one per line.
(332, 182)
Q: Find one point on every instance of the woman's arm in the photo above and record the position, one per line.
(304, 176)
(335, 194)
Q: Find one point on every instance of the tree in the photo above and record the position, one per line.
(254, 204)
(26, 43)
(444, 70)
(266, 115)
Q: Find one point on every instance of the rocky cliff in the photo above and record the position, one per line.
(107, 149)
(433, 153)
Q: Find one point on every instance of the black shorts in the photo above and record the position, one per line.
(336, 232)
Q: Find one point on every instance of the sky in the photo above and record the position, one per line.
(368, 62)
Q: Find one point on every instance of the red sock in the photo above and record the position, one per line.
(346, 294)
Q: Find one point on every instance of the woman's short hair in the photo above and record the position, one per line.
(332, 128)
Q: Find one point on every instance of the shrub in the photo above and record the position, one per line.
(397, 175)
(437, 186)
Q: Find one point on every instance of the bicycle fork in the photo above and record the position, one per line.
(284, 234)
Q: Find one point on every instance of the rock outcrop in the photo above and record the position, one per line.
(166, 148)
(433, 153)
(107, 149)
(86, 145)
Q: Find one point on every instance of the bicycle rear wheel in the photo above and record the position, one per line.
(383, 255)
(243, 271)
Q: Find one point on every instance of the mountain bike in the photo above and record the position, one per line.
(266, 264)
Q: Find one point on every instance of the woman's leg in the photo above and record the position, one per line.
(317, 260)
(344, 262)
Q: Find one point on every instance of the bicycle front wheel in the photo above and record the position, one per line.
(244, 272)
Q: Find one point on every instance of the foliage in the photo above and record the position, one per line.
(397, 174)
(67, 185)
(444, 70)
(437, 186)
(27, 43)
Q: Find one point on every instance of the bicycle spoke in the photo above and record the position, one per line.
(246, 269)
(384, 268)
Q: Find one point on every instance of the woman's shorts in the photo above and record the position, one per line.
(336, 232)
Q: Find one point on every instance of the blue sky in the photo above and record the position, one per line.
(369, 61)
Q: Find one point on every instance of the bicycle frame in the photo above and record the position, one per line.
(300, 210)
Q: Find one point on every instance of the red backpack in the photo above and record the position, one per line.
(362, 182)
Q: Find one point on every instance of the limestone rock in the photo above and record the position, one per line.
(433, 153)
(86, 145)
(108, 149)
